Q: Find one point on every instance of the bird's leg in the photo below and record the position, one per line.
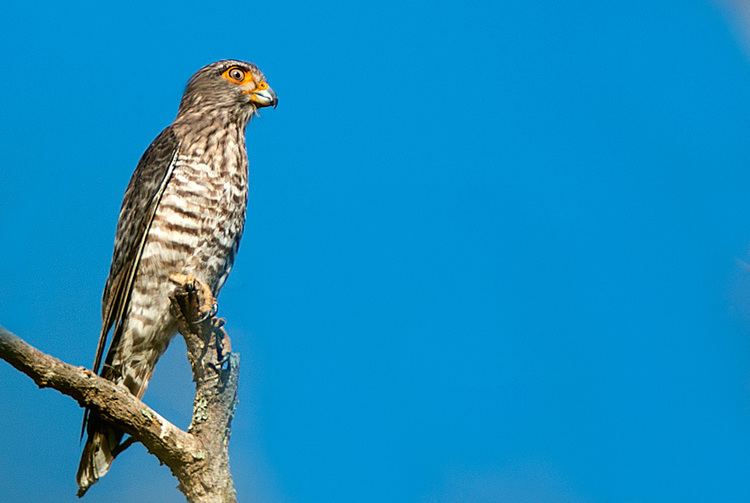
(208, 307)
(197, 299)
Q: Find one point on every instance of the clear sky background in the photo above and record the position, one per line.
(495, 252)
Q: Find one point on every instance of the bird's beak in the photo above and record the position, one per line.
(263, 96)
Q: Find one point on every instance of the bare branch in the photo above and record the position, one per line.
(113, 403)
(198, 458)
(215, 373)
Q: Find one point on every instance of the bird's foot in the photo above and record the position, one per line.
(207, 306)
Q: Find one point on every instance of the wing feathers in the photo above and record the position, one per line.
(139, 206)
(125, 284)
(138, 209)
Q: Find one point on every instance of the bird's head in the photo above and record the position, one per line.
(232, 87)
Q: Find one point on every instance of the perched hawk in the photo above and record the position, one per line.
(183, 213)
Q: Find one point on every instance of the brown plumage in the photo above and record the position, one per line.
(183, 212)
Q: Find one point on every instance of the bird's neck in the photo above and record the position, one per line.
(229, 118)
(208, 137)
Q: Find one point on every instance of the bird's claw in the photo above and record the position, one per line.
(207, 314)
(208, 306)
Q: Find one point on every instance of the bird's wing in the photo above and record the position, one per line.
(139, 206)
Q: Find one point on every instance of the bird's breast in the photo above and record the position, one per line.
(200, 217)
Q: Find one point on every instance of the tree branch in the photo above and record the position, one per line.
(198, 458)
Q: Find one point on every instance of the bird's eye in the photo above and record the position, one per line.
(236, 74)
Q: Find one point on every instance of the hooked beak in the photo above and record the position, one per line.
(263, 96)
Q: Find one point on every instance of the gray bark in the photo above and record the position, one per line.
(199, 457)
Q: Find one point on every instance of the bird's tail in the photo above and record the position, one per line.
(98, 453)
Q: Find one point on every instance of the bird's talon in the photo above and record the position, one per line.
(203, 318)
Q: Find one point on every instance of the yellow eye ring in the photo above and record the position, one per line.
(235, 75)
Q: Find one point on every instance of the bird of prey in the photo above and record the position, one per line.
(183, 214)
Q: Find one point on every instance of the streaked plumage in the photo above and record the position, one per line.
(183, 212)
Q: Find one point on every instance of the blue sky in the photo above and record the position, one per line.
(496, 251)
